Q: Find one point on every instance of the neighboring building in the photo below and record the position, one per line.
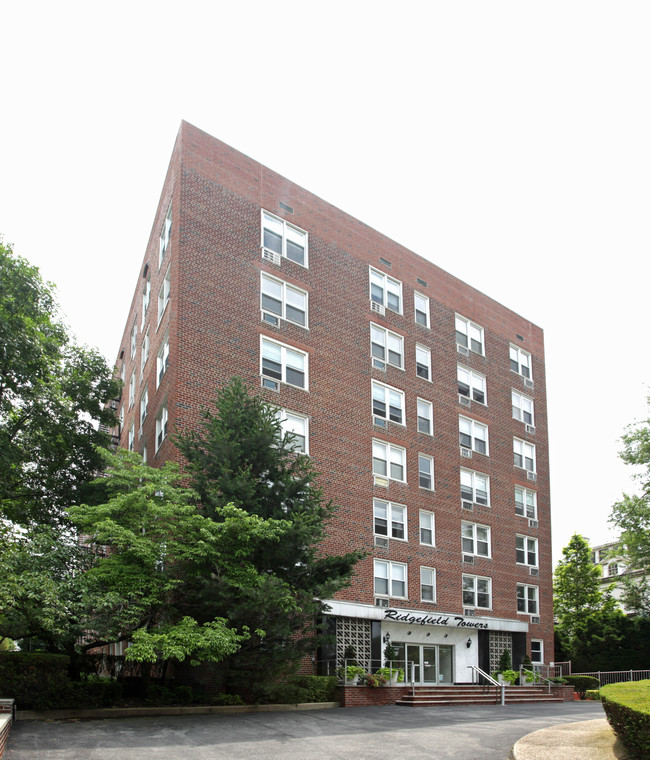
(614, 568)
(421, 400)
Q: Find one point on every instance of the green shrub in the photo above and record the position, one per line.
(582, 683)
(593, 694)
(33, 678)
(627, 707)
(299, 689)
(227, 699)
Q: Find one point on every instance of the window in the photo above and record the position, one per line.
(469, 335)
(471, 385)
(131, 440)
(477, 592)
(121, 419)
(284, 364)
(611, 569)
(520, 362)
(421, 309)
(146, 297)
(522, 408)
(425, 471)
(385, 291)
(144, 404)
(390, 519)
(475, 487)
(132, 390)
(388, 461)
(284, 239)
(161, 426)
(162, 361)
(475, 539)
(163, 295)
(527, 599)
(134, 339)
(473, 435)
(427, 584)
(283, 300)
(386, 346)
(423, 362)
(427, 528)
(527, 551)
(390, 579)
(387, 402)
(524, 455)
(425, 417)
(525, 503)
(165, 235)
(144, 353)
(144, 454)
(536, 651)
(298, 426)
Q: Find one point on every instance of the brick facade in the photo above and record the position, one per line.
(213, 323)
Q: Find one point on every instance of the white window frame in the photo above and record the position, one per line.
(298, 426)
(540, 651)
(526, 452)
(162, 361)
(287, 293)
(164, 294)
(524, 501)
(394, 515)
(428, 580)
(287, 353)
(521, 362)
(289, 233)
(423, 353)
(424, 474)
(146, 298)
(472, 385)
(162, 421)
(395, 573)
(530, 601)
(469, 482)
(144, 351)
(523, 408)
(134, 339)
(470, 585)
(383, 350)
(525, 552)
(165, 236)
(131, 437)
(144, 405)
(385, 286)
(470, 335)
(475, 440)
(391, 456)
(427, 525)
(132, 389)
(425, 416)
(421, 305)
(392, 399)
(479, 535)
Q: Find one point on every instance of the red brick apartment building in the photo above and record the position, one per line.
(421, 400)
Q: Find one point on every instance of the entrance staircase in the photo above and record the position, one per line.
(472, 694)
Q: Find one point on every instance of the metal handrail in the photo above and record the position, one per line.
(476, 670)
(535, 675)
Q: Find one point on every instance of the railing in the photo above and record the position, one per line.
(389, 669)
(478, 672)
(617, 676)
(535, 675)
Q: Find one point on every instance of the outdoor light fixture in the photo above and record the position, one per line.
(387, 638)
(469, 643)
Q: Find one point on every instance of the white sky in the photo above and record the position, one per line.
(508, 142)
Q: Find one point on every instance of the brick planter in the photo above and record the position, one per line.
(363, 696)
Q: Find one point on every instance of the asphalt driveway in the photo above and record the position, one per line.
(357, 733)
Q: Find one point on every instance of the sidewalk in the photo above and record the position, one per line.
(585, 740)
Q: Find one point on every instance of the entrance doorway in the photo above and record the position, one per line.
(434, 664)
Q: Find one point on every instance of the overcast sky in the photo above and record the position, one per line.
(508, 142)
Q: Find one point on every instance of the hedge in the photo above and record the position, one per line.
(33, 678)
(582, 684)
(300, 689)
(627, 707)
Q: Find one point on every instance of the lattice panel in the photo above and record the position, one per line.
(355, 632)
(499, 640)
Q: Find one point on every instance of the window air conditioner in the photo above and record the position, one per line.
(378, 308)
(468, 558)
(462, 349)
(272, 256)
(467, 453)
(464, 400)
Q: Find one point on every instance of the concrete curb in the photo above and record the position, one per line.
(584, 740)
(141, 712)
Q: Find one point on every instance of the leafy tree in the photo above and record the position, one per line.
(240, 456)
(53, 397)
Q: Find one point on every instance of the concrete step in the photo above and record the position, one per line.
(470, 694)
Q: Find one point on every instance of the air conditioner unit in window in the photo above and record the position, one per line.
(530, 429)
(381, 603)
(467, 453)
(533, 570)
(380, 422)
(381, 542)
(272, 385)
(378, 308)
(462, 349)
(469, 505)
(468, 558)
(272, 256)
(464, 400)
(379, 364)
(533, 524)
(528, 383)
(270, 319)
(469, 613)
(381, 481)
(534, 619)
(532, 476)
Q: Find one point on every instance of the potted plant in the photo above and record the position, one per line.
(350, 671)
(505, 667)
(508, 676)
(375, 679)
(527, 672)
(392, 675)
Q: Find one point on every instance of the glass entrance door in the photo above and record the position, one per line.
(433, 664)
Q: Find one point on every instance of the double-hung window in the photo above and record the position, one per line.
(425, 417)
(163, 294)
(144, 351)
(165, 236)
(522, 408)
(521, 362)
(279, 299)
(527, 599)
(425, 471)
(387, 403)
(284, 364)
(385, 291)
(475, 539)
(162, 361)
(525, 502)
(388, 461)
(132, 390)
(283, 239)
(389, 519)
(386, 347)
(390, 579)
(421, 309)
(473, 435)
(146, 297)
(477, 592)
(537, 651)
(144, 404)
(526, 551)
(134, 339)
(427, 528)
(427, 584)
(423, 362)
(524, 455)
(161, 426)
(296, 425)
(472, 385)
(469, 335)
(131, 439)
(475, 487)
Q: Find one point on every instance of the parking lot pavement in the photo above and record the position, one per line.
(376, 733)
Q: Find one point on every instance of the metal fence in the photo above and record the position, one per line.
(616, 676)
